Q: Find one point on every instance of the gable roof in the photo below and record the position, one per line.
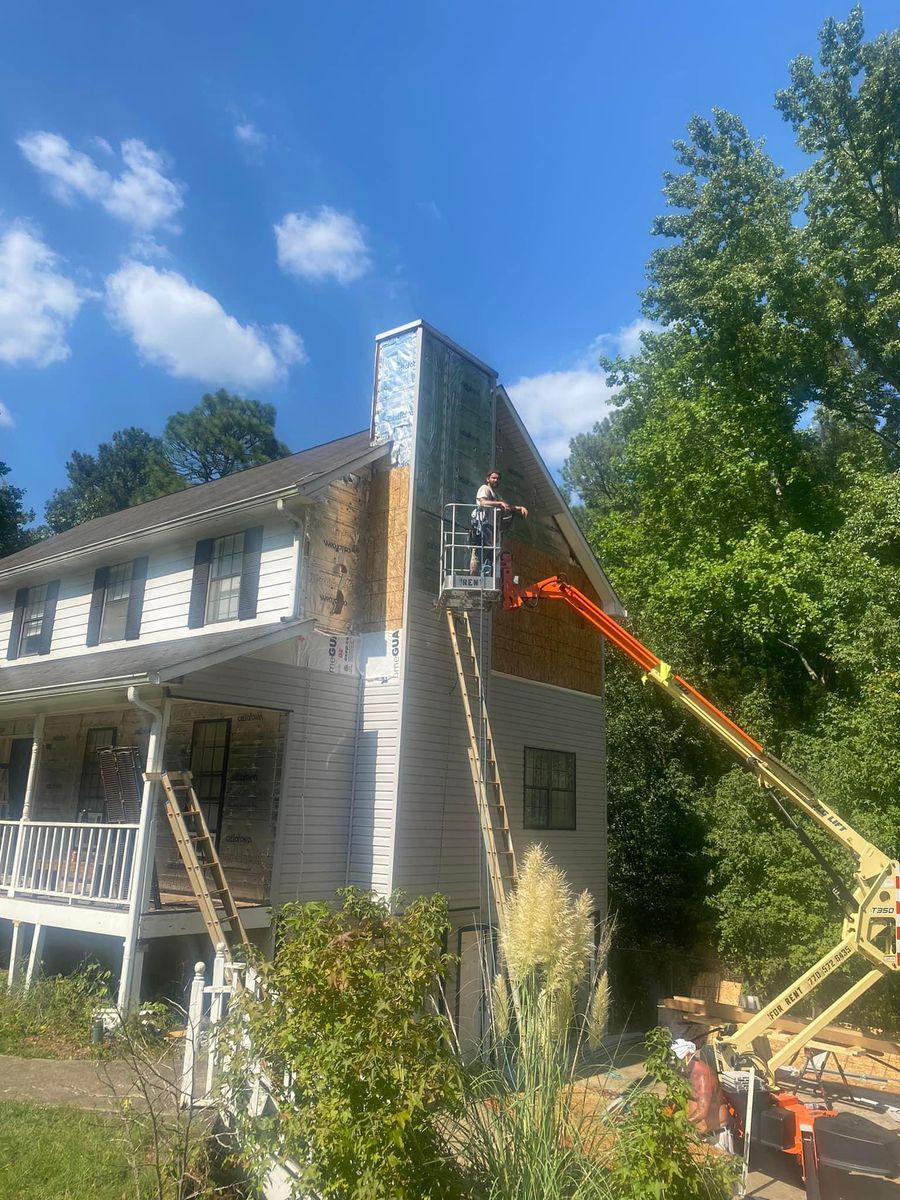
(193, 503)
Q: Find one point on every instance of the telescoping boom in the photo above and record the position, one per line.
(872, 908)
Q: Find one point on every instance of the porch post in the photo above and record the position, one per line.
(37, 745)
(144, 855)
(15, 954)
(34, 768)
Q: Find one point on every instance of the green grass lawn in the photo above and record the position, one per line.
(62, 1154)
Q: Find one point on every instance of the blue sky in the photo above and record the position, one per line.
(201, 194)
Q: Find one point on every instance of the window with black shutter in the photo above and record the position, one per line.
(32, 628)
(549, 789)
(226, 578)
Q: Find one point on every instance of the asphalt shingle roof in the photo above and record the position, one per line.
(131, 664)
(245, 485)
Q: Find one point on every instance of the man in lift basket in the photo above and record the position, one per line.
(481, 533)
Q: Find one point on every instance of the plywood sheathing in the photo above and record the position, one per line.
(550, 643)
(384, 559)
(334, 550)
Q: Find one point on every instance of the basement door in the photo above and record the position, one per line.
(210, 745)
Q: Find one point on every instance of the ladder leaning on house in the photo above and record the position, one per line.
(201, 862)
(492, 811)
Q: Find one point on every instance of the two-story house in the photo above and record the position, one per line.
(279, 633)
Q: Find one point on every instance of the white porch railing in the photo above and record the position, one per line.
(202, 1085)
(65, 860)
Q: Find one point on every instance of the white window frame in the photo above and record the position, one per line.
(223, 592)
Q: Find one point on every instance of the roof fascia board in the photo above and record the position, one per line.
(318, 483)
(163, 527)
(570, 528)
(200, 662)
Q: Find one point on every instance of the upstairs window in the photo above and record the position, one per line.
(32, 623)
(224, 595)
(549, 789)
(33, 619)
(117, 602)
(226, 578)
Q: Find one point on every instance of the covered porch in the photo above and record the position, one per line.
(71, 858)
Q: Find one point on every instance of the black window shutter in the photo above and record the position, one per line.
(136, 598)
(101, 575)
(250, 573)
(200, 585)
(49, 617)
(15, 633)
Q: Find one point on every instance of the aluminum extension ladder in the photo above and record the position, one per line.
(492, 811)
(201, 862)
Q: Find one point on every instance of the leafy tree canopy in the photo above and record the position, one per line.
(128, 469)
(222, 434)
(13, 517)
(745, 498)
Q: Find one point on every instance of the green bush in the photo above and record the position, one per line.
(348, 1014)
(657, 1150)
(53, 1017)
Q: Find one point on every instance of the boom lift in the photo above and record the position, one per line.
(871, 926)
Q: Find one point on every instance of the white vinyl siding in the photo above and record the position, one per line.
(167, 594)
(375, 787)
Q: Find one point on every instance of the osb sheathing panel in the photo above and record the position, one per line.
(334, 554)
(385, 550)
(549, 643)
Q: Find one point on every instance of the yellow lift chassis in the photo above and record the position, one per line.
(872, 921)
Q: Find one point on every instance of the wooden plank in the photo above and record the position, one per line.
(704, 1011)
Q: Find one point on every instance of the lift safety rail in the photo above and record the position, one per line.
(872, 910)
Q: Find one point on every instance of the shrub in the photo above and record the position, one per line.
(348, 1024)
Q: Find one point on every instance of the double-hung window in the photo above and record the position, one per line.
(33, 619)
(224, 595)
(226, 578)
(32, 623)
(115, 603)
(549, 789)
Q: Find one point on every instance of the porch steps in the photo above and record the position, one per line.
(493, 814)
(201, 861)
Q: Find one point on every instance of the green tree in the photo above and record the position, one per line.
(13, 517)
(222, 434)
(126, 470)
(743, 496)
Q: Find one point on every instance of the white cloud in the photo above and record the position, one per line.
(142, 195)
(6, 418)
(322, 245)
(249, 136)
(557, 405)
(37, 303)
(186, 331)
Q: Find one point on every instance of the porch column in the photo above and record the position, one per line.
(34, 768)
(144, 855)
(37, 745)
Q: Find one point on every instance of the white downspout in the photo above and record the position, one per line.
(144, 852)
(299, 524)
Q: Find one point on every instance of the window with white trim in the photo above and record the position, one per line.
(549, 789)
(33, 617)
(115, 602)
(224, 594)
